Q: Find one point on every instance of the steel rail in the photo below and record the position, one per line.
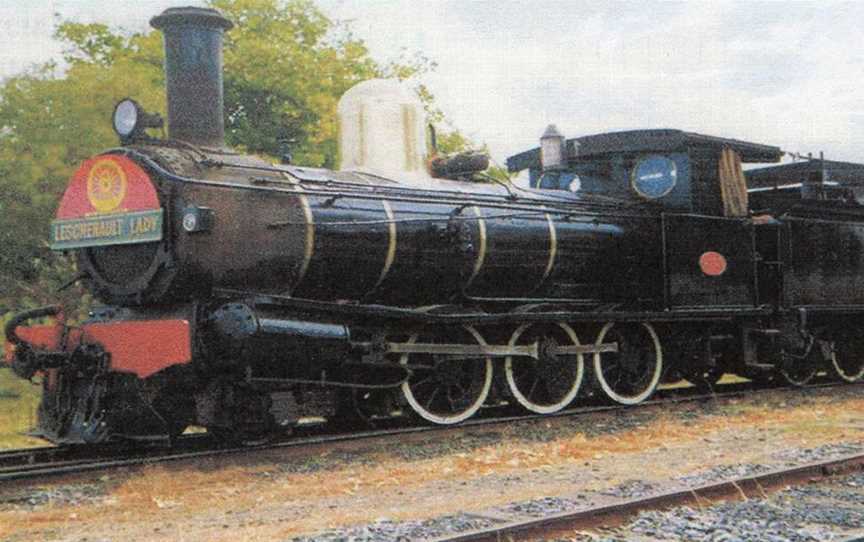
(203, 446)
(27, 459)
(615, 513)
(25, 455)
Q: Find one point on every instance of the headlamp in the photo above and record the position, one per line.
(130, 120)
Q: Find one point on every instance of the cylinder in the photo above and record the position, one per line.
(193, 73)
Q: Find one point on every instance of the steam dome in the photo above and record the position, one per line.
(382, 129)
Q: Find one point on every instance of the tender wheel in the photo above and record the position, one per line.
(798, 372)
(847, 357)
(630, 375)
(446, 389)
(548, 384)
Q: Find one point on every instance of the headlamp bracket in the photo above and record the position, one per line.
(130, 121)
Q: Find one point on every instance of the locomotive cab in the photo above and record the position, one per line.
(695, 186)
(672, 170)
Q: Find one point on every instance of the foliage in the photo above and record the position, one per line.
(50, 122)
(286, 65)
(453, 142)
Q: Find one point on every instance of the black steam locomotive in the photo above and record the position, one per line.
(243, 296)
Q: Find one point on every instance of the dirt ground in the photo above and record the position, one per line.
(278, 495)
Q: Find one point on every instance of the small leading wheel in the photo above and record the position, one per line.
(239, 415)
(367, 407)
(446, 389)
(550, 383)
(630, 375)
(847, 357)
(705, 378)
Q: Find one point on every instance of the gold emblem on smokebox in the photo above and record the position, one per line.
(106, 185)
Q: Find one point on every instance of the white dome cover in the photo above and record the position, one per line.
(382, 130)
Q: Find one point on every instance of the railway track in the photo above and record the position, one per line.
(593, 517)
(43, 462)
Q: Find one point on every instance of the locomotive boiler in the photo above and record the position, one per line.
(242, 295)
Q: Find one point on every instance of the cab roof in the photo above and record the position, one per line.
(656, 140)
(844, 173)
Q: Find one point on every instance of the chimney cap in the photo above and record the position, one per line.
(191, 15)
(551, 131)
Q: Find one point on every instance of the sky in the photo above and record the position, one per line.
(789, 74)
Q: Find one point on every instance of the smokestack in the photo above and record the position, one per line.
(193, 73)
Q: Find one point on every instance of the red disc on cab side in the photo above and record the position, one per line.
(712, 263)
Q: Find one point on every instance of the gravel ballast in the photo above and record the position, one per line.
(426, 485)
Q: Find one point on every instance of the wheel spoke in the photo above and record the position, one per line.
(524, 376)
(450, 400)
(534, 384)
(549, 394)
(423, 381)
(428, 403)
(462, 392)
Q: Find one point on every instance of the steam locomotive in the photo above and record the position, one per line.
(243, 296)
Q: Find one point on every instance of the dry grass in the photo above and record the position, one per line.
(265, 502)
(18, 402)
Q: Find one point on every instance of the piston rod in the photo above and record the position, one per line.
(495, 350)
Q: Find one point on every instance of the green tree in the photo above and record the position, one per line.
(50, 121)
(286, 65)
